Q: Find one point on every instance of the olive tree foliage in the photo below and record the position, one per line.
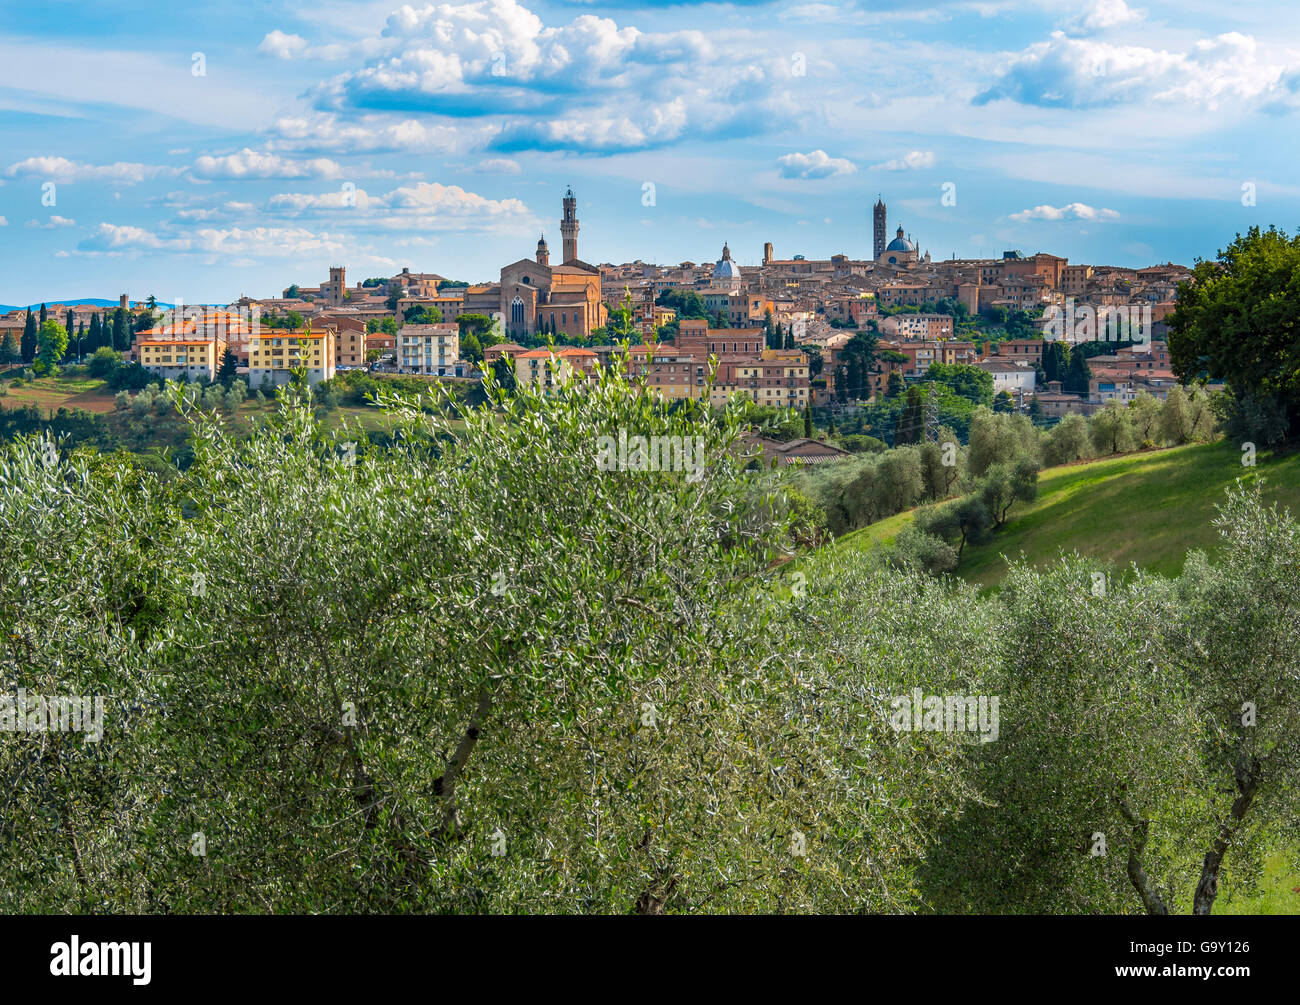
(84, 600)
(474, 672)
(1067, 441)
(1149, 737)
(998, 437)
(1112, 429)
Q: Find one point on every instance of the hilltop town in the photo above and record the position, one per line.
(781, 333)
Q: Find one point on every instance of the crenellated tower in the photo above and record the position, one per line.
(569, 226)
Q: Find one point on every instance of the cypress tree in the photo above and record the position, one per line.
(1077, 374)
(10, 352)
(28, 347)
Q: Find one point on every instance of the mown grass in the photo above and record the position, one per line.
(1147, 509)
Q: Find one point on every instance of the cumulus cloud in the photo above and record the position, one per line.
(53, 223)
(817, 164)
(260, 242)
(110, 237)
(433, 197)
(3, 222)
(319, 131)
(356, 198)
(252, 164)
(1103, 14)
(913, 160)
(60, 169)
(1072, 211)
(1082, 72)
(590, 85)
(282, 46)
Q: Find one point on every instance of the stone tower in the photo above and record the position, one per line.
(543, 254)
(569, 226)
(767, 253)
(878, 228)
(337, 285)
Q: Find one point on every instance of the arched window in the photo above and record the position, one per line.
(517, 311)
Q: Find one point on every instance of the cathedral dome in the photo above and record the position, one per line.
(900, 243)
(725, 267)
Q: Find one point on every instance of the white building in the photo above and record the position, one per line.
(429, 349)
(1013, 377)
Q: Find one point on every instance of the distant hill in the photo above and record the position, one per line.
(83, 302)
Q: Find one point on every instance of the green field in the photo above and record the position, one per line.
(52, 393)
(1150, 509)
(1147, 508)
(70, 390)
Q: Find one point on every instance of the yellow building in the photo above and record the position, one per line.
(545, 370)
(171, 359)
(274, 353)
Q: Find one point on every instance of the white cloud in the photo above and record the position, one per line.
(1083, 72)
(109, 237)
(282, 46)
(590, 86)
(913, 160)
(1073, 211)
(356, 198)
(1103, 14)
(452, 199)
(250, 163)
(261, 242)
(60, 169)
(3, 222)
(499, 165)
(817, 164)
(53, 223)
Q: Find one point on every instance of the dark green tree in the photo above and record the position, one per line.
(229, 366)
(10, 349)
(1238, 320)
(28, 346)
(1077, 375)
(911, 420)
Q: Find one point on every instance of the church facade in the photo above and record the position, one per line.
(537, 297)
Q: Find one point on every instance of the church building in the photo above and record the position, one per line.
(539, 297)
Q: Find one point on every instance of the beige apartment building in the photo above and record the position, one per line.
(172, 359)
(273, 354)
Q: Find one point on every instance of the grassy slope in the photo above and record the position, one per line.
(1149, 508)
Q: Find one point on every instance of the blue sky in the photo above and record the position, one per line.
(199, 152)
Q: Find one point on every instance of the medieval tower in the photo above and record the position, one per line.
(569, 226)
(878, 228)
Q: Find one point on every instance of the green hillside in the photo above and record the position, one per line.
(1148, 508)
